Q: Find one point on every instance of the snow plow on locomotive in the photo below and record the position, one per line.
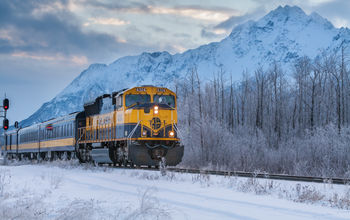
(136, 126)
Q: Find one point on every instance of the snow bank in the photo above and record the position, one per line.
(57, 191)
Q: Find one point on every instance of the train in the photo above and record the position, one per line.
(135, 127)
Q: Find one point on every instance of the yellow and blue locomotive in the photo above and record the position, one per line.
(137, 126)
(133, 126)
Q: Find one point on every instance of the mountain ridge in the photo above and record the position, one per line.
(282, 35)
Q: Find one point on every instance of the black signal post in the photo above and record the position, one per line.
(5, 124)
(5, 106)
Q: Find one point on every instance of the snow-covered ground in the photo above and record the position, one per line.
(61, 191)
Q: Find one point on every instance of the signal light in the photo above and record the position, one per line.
(6, 104)
(5, 124)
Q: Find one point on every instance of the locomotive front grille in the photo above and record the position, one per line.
(156, 123)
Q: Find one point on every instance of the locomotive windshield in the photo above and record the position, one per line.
(132, 99)
(165, 99)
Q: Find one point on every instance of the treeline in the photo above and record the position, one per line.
(274, 121)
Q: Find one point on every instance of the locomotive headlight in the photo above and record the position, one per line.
(156, 109)
(171, 134)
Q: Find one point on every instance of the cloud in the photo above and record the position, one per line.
(78, 60)
(121, 6)
(337, 11)
(198, 12)
(225, 27)
(106, 21)
(43, 28)
(157, 28)
(192, 12)
(212, 34)
(231, 22)
(179, 48)
(182, 35)
(235, 20)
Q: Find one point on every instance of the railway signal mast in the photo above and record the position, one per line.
(5, 123)
(5, 106)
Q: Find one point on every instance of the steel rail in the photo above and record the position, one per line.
(329, 180)
(263, 175)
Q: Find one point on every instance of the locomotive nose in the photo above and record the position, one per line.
(156, 123)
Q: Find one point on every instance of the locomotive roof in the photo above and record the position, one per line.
(160, 87)
(92, 102)
(114, 94)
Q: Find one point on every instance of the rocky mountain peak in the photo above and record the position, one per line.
(283, 35)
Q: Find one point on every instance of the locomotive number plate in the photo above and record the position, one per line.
(160, 90)
(141, 89)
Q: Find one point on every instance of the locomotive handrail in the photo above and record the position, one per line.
(102, 132)
(82, 133)
(177, 129)
(132, 132)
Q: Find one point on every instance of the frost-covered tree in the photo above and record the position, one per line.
(274, 121)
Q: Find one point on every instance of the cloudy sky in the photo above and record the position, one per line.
(45, 44)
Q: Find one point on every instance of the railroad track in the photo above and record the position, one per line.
(339, 181)
(263, 175)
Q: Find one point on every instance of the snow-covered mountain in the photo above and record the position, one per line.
(282, 35)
